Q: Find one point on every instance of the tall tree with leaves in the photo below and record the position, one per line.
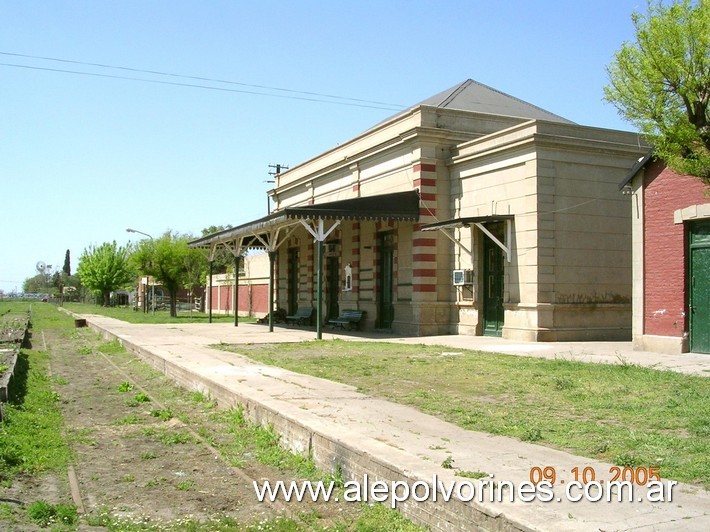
(67, 264)
(661, 83)
(169, 261)
(35, 285)
(105, 269)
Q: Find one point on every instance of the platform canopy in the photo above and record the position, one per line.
(260, 233)
(466, 222)
(269, 232)
(480, 222)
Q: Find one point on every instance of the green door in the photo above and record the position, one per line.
(700, 288)
(385, 295)
(493, 283)
(292, 292)
(333, 287)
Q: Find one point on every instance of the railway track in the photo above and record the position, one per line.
(146, 450)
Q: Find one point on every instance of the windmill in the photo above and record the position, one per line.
(45, 271)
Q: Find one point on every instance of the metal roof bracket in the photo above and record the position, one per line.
(508, 237)
(318, 233)
(457, 242)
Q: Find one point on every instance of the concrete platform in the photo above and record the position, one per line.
(363, 435)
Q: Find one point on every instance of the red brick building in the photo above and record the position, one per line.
(671, 246)
(253, 295)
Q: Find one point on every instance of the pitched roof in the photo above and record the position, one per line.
(470, 95)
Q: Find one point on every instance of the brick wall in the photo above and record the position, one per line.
(665, 247)
(424, 263)
(259, 298)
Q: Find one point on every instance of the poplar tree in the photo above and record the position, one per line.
(67, 264)
(661, 83)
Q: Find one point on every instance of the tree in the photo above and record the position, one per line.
(35, 285)
(661, 83)
(223, 259)
(169, 261)
(67, 264)
(105, 268)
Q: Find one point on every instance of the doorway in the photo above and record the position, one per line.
(493, 279)
(385, 281)
(332, 287)
(292, 290)
(699, 300)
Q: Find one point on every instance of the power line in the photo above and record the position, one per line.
(311, 95)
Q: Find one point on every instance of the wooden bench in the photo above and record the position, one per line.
(347, 318)
(301, 317)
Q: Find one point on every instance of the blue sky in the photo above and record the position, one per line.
(83, 157)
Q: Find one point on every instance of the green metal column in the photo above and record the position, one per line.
(236, 289)
(210, 294)
(319, 293)
(272, 260)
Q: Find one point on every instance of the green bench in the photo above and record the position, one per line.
(348, 318)
(301, 317)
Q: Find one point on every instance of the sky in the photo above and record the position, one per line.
(196, 99)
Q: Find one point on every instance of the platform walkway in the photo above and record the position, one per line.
(365, 435)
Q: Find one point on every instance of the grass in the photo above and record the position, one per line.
(372, 519)
(249, 439)
(125, 386)
(33, 441)
(160, 316)
(45, 514)
(31, 438)
(129, 420)
(168, 436)
(164, 414)
(624, 414)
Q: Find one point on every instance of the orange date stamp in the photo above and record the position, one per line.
(586, 475)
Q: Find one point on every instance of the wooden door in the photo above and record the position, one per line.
(699, 300)
(493, 279)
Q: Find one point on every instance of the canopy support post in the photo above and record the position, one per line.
(209, 319)
(272, 261)
(320, 235)
(237, 260)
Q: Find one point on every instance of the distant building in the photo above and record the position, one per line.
(253, 297)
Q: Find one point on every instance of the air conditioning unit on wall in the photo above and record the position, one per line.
(462, 277)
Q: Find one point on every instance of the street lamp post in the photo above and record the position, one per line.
(152, 286)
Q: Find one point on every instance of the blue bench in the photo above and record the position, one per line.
(348, 318)
(301, 317)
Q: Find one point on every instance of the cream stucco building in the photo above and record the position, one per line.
(472, 212)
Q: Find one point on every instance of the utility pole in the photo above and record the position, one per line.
(277, 168)
(276, 172)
